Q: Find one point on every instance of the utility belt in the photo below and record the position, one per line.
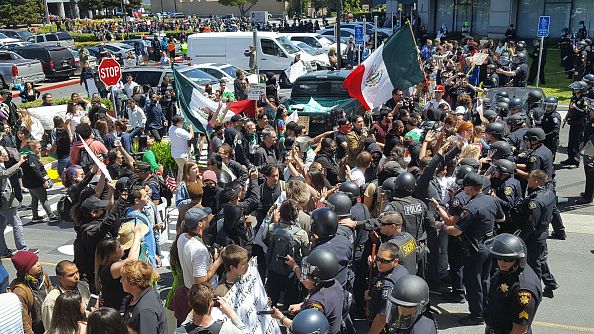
(495, 330)
(471, 245)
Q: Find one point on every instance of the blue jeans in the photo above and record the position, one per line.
(63, 163)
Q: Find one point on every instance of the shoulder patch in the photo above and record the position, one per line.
(463, 213)
(555, 120)
(317, 306)
(508, 191)
(524, 298)
(385, 293)
(532, 205)
(532, 158)
(455, 202)
(523, 315)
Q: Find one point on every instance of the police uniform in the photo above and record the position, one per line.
(491, 81)
(509, 193)
(415, 222)
(519, 80)
(327, 297)
(589, 162)
(541, 158)
(425, 324)
(513, 299)
(551, 124)
(516, 137)
(477, 222)
(455, 253)
(580, 62)
(538, 209)
(343, 250)
(535, 115)
(408, 250)
(576, 118)
(381, 287)
(505, 80)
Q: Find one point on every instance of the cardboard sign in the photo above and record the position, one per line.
(246, 297)
(479, 58)
(46, 114)
(295, 71)
(256, 90)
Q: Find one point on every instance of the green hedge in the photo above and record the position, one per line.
(37, 103)
(87, 38)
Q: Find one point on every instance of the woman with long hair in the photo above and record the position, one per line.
(190, 174)
(106, 321)
(280, 121)
(32, 124)
(29, 93)
(69, 315)
(109, 259)
(22, 136)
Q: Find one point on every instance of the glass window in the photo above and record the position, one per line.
(230, 70)
(445, 14)
(199, 76)
(148, 78)
(314, 88)
(270, 48)
(287, 45)
(51, 37)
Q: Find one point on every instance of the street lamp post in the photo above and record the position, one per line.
(338, 41)
(124, 19)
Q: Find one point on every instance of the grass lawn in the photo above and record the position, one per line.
(556, 80)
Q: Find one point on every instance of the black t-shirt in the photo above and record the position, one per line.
(340, 151)
(112, 291)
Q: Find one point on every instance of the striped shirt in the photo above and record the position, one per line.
(11, 319)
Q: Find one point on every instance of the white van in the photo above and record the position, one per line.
(275, 51)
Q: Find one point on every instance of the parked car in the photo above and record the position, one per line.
(147, 43)
(314, 40)
(22, 35)
(9, 45)
(61, 38)
(344, 32)
(57, 61)
(14, 68)
(369, 29)
(153, 76)
(119, 50)
(225, 72)
(319, 56)
(177, 16)
(92, 61)
(5, 39)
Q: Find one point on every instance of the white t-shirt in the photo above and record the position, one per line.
(194, 259)
(357, 176)
(74, 120)
(129, 88)
(179, 141)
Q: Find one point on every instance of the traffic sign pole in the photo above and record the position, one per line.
(544, 23)
(539, 61)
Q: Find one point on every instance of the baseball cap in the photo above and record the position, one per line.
(93, 203)
(194, 216)
(237, 118)
(126, 233)
(439, 88)
(460, 110)
(141, 166)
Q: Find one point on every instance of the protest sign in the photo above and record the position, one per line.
(96, 160)
(46, 115)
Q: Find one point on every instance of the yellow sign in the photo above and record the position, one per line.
(365, 8)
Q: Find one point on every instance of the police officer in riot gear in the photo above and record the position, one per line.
(520, 46)
(501, 95)
(508, 190)
(519, 70)
(576, 118)
(580, 60)
(407, 310)
(535, 111)
(359, 211)
(317, 274)
(310, 322)
(492, 79)
(589, 80)
(494, 132)
(535, 213)
(504, 64)
(470, 162)
(551, 124)
(414, 213)
(500, 150)
(517, 130)
(475, 224)
(587, 195)
(515, 105)
(515, 290)
(566, 52)
(501, 109)
(341, 204)
(388, 273)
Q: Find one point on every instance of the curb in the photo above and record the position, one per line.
(52, 86)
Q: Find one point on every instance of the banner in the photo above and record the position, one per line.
(99, 163)
(247, 297)
(295, 71)
(46, 115)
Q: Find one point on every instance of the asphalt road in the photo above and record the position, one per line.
(571, 261)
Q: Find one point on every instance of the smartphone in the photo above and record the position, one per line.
(216, 302)
(92, 302)
(280, 257)
(265, 312)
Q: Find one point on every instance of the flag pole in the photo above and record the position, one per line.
(419, 60)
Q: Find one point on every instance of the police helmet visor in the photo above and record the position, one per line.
(550, 107)
(401, 316)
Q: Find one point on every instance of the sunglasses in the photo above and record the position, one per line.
(384, 261)
(507, 260)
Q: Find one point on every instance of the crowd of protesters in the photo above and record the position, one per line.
(440, 189)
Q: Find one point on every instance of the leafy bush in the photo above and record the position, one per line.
(162, 151)
(37, 103)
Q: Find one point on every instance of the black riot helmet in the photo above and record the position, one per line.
(520, 46)
(508, 247)
(503, 61)
(579, 86)
(341, 204)
(388, 187)
(502, 108)
(404, 184)
(589, 79)
(516, 120)
(519, 58)
(310, 321)
(582, 45)
(461, 172)
(504, 99)
(470, 162)
(500, 95)
(324, 223)
(515, 102)
(407, 302)
(351, 189)
(534, 96)
(550, 104)
(495, 129)
(320, 265)
(500, 150)
(505, 166)
(535, 134)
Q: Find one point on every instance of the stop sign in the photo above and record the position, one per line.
(109, 71)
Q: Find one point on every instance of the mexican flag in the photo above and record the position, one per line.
(393, 64)
(194, 105)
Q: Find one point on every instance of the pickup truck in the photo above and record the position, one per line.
(14, 68)
(318, 97)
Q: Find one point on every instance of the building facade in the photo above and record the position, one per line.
(492, 17)
(212, 7)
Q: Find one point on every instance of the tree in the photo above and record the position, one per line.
(243, 5)
(18, 12)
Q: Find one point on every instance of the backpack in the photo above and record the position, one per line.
(64, 205)
(215, 328)
(84, 159)
(281, 244)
